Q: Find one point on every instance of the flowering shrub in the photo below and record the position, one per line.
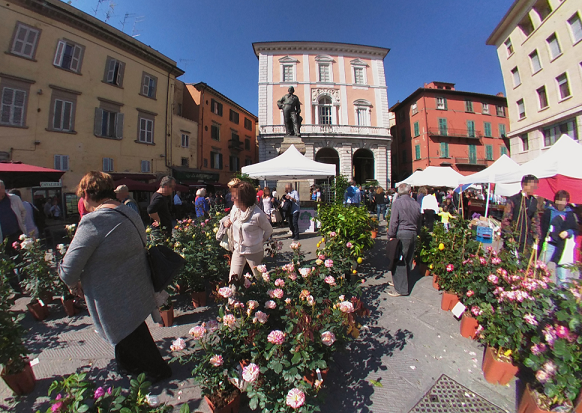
(38, 266)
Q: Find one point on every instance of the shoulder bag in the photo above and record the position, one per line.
(164, 262)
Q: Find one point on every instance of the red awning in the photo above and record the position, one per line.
(21, 175)
(136, 185)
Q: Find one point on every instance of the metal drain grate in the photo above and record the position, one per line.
(447, 396)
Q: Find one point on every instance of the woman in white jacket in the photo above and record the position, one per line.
(250, 229)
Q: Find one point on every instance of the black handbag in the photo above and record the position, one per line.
(164, 262)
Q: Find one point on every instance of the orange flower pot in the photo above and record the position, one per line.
(448, 301)
(21, 383)
(38, 310)
(198, 299)
(69, 305)
(168, 316)
(497, 371)
(232, 407)
(374, 234)
(469, 326)
(435, 282)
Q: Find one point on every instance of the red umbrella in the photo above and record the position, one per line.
(20, 175)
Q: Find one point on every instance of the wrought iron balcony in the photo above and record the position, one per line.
(328, 129)
(454, 133)
(471, 161)
(235, 145)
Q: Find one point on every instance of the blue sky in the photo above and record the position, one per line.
(212, 40)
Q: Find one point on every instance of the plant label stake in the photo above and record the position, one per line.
(458, 310)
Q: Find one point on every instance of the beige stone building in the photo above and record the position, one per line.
(80, 95)
(539, 45)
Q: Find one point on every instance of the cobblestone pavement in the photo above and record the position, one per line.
(405, 345)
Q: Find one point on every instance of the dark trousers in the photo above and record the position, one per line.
(294, 224)
(14, 278)
(428, 219)
(403, 267)
(137, 353)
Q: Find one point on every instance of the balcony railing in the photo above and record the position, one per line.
(471, 161)
(454, 133)
(328, 129)
(235, 145)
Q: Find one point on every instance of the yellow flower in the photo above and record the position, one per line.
(360, 260)
(318, 244)
(322, 240)
(441, 246)
(354, 271)
(431, 266)
(507, 353)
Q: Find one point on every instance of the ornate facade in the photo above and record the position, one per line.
(344, 105)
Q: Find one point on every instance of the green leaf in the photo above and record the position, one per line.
(376, 383)
(125, 410)
(185, 408)
(83, 408)
(277, 367)
(252, 403)
(296, 358)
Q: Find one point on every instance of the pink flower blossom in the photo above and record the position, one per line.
(538, 349)
(211, 325)
(216, 360)
(289, 267)
(502, 272)
(16, 245)
(292, 276)
(493, 279)
(266, 277)
(321, 256)
(56, 407)
(482, 260)
(276, 337)
(250, 372)
(305, 272)
(346, 307)
(278, 293)
(550, 367)
(248, 283)
(260, 317)
(109, 390)
(349, 245)
(530, 319)
(295, 398)
(470, 293)
(279, 282)
(332, 234)
(495, 261)
(476, 311)
(262, 268)
(310, 300)
(327, 338)
(542, 376)
(330, 280)
(549, 335)
(178, 345)
(270, 304)
(450, 268)
(225, 292)
(100, 392)
(329, 263)
(252, 304)
(562, 331)
(197, 332)
(229, 320)
(295, 245)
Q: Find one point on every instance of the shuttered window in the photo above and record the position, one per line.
(487, 128)
(417, 152)
(149, 85)
(107, 164)
(444, 150)
(146, 166)
(13, 107)
(108, 123)
(25, 41)
(61, 162)
(63, 115)
(68, 56)
(114, 70)
(146, 130)
(489, 152)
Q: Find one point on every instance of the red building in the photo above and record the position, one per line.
(440, 126)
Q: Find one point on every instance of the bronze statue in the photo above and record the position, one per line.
(291, 110)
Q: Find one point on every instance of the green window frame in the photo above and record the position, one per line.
(487, 129)
(444, 149)
(417, 152)
(443, 129)
(473, 154)
(502, 133)
(489, 152)
(502, 150)
(416, 129)
(470, 129)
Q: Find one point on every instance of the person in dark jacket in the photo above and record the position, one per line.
(521, 215)
(558, 225)
(404, 225)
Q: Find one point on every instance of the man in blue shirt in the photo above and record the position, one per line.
(122, 192)
(293, 196)
(352, 196)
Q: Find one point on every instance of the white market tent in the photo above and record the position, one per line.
(289, 165)
(434, 176)
(489, 175)
(563, 158)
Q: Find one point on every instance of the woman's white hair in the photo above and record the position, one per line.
(201, 192)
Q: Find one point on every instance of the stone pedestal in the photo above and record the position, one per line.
(289, 140)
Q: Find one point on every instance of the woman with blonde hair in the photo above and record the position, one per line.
(250, 229)
(108, 257)
(380, 200)
(201, 204)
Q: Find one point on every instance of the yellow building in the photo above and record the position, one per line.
(80, 95)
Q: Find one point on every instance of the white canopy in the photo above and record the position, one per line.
(501, 166)
(434, 176)
(289, 165)
(563, 158)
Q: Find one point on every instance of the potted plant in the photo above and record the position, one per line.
(373, 227)
(40, 276)
(15, 367)
(167, 312)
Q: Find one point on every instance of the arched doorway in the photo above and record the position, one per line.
(330, 156)
(363, 165)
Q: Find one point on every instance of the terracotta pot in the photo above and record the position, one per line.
(40, 312)
(448, 301)
(232, 407)
(469, 326)
(198, 298)
(374, 234)
(46, 297)
(435, 282)
(528, 403)
(69, 305)
(312, 376)
(168, 316)
(21, 383)
(497, 371)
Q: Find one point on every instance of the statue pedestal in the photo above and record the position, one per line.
(289, 140)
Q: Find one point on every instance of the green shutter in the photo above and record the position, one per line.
(502, 130)
(444, 150)
(443, 127)
(489, 152)
(417, 152)
(503, 150)
(472, 154)
(470, 129)
(487, 127)
(416, 129)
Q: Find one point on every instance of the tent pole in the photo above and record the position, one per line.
(487, 204)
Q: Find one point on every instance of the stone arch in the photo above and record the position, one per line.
(330, 156)
(363, 165)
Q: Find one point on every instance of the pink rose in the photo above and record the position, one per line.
(250, 372)
(349, 245)
(542, 376)
(562, 331)
(266, 277)
(450, 268)
(332, 234)
(56, 407)
(178, 345)
(493, 279)
(278, 293)
(470, 293)
(229, 320)
(276, 337)
(530, 319)
(330, 280)
(197, 332)
(346, 307)
(321, 256)
(476, 311)
(216, 360)
(482, 260)
(327, 338)
(550, 367)
(292, 276)
(260, 317)
(295, 398)
(495, 261)
(211, 325)
(248, 283)
(225, 292)
(100, 392)
(252, 304)
(305, 272)
(329, 263)
(270, 305)
(279, 282)
(538, 349)
(262, 268)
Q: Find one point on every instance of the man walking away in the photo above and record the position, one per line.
(122, 192)
(159, 208)
(404, 225)
(293, 196)
(429, 208)
(352, 196)
(178, 205)
(12, 225)
(31, 214)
